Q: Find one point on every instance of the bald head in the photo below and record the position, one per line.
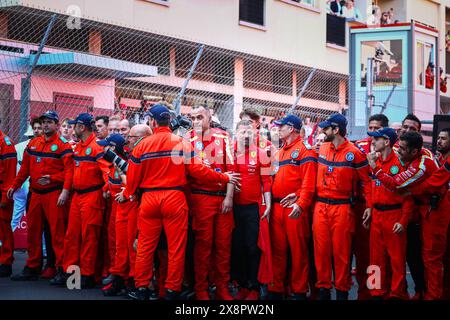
(137, 132)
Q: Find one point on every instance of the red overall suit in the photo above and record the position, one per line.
(389, 208)
(8, 164)
(212, 229)
(51, 157)
(339, 170)
(362, 236)
(295, 171)
(90, 179)
(434, 223)
(158, 167)
(125, 230)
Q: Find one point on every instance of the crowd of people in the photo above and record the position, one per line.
(348, 10)
(149, 214)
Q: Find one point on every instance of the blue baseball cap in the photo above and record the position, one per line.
(85, 119)
(50, 114)
(159, 112)
(387, 133)
(290, 120)
(114, 140)
(335, 121)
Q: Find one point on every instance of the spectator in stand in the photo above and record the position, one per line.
(334, 7)
(442, 81)
(349, 11)
(429, 76)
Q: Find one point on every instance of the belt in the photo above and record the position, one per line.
(388, 207)
(334, 201)
(209, 193)
(276, 200)
(45, 191)
(161, 189)
(91, 189)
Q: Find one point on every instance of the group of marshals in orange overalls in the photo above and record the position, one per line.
(235, 219)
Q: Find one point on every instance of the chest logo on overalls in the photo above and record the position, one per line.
(199, 145)
(54, 147)
(217, 142)
(350, 156)
(262, 145)
(295, 154)
(394, 170)
(253, 154)
(88, 151)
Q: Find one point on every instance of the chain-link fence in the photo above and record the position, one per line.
(106, 69)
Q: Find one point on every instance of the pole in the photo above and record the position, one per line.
(385, 104)
(369, 88)
(177, 101)
(302, 91)
(25, 96)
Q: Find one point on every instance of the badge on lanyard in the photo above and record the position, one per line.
(199, 145)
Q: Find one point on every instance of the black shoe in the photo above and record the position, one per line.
(263, 293)
(341, 295)
(130, 285)
(5, 270)
(114, 288)
(171, 295)
(377, 298)
(60, 278)
(298, 296)
(324, 294)
(87, 282)
(108, 279)
(275, 296)
(27, 274)
(140, 294)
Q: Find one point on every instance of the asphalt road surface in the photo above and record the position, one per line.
(41, 290)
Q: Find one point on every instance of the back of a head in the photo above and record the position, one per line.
(141, 130)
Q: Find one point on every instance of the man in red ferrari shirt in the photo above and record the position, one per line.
(254, 166)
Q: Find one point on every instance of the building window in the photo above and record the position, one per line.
(336, 30)
(252, 11)
(387, 63)
(425, 65)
